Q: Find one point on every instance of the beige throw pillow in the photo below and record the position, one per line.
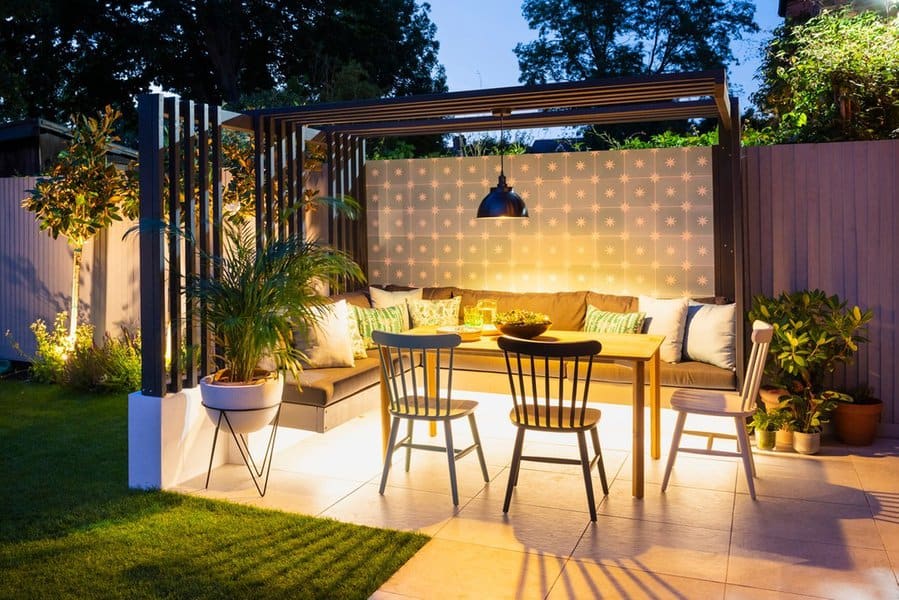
(384, 299)
(668, 318)
(328, 342)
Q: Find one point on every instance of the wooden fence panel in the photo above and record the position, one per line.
(824, 216)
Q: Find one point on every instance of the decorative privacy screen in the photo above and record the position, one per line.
(629, 221)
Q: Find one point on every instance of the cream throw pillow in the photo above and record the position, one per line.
(328, 342)
(668, 318)
(384, 299)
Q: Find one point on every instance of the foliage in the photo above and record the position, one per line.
(66, 505)
(520, 317)
(666, 139)
(56, 60)
(813, 334)
(48, 365)
(83, 193)
(239, 193)
(610, 38)
(765, 420)
(113, 366)
(262, 295)
(835, 77)
(807, 413)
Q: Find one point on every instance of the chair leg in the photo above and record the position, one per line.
(409, 427)
(513, 468)
(394, 428)
(478, 449)
(451, 458)
(585, 466)
(599, 463)
(746, 455)
(675, 444)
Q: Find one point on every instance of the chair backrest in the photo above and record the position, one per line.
(540, 401)
(762, 334)
(401, 354)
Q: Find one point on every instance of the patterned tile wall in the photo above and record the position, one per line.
(630, 222)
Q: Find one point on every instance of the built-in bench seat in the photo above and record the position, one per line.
(330, 396)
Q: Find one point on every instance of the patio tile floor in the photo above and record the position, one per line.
(824, 526)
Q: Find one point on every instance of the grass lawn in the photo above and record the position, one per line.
(71, 528)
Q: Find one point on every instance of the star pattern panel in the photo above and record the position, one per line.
(627, 222)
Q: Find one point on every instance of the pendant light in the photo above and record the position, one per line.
(502, 202)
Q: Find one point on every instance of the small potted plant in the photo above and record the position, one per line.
(808, 414)
(765, 422)
(855, 419)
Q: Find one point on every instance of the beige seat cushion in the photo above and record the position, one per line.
(323, 387)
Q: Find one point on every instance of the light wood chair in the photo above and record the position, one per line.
(732, 405)
(541, 404)
(424, 398)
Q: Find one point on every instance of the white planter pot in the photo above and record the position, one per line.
(806, 443)
(250, 407)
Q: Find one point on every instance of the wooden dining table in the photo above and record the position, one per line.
(640, 350)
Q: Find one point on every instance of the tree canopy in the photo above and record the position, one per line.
(62, 58)
(835, 77)
(581, 39)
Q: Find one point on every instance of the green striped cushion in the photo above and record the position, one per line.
(392, 319)
(602, 321)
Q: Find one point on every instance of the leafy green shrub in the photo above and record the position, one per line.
(48, 365)
(113, 366)
(835, 77)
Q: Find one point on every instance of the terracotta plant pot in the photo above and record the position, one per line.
(856, 424)
(783, 440)
(770, 397)
(764, 439)
(806, 443)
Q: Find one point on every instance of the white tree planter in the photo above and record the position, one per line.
(250, 407)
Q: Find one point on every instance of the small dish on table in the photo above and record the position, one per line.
(466, 332)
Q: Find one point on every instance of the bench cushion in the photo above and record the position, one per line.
(323, 387)
(689, 374)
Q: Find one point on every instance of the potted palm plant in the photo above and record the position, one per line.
(813, 334)
(261, 299)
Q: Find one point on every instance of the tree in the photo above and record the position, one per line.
(836, 77)
(59, 58)
(83, 193)
(581, 39)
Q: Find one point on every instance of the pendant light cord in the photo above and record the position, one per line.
(502, 143)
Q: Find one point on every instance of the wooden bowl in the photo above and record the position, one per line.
(526, 331)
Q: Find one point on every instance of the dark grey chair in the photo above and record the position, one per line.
(555, 404)
(417, 393)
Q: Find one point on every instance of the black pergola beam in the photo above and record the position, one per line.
(662, 111)
(655, 88)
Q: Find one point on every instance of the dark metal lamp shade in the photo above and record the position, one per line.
(502, 203)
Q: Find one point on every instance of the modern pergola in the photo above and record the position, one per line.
(172, 129)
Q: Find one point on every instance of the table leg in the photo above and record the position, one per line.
(385, 407)
(655, 407)
(639, 403)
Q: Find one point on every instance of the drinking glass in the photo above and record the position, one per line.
(473, 317)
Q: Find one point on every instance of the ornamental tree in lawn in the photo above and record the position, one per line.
(83, 193)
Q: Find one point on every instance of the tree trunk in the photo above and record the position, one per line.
(76, 276)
